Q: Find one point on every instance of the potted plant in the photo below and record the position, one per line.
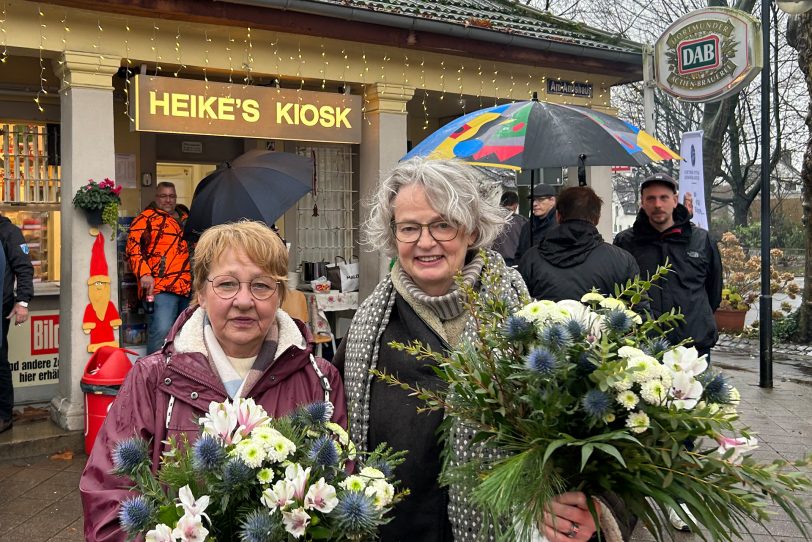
(741, 274)
(100, 202)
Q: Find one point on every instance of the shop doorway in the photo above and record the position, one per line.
(185, 177)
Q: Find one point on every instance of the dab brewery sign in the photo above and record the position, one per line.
(708, 54)
(186, 106)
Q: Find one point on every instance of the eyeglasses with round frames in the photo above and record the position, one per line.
(410, 232)
(226, 286)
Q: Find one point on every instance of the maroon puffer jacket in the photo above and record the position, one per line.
(183, 373)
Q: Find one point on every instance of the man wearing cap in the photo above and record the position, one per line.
(543, 217)
(663, 231)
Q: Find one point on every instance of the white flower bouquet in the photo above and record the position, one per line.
(252, 478)
(588, 395)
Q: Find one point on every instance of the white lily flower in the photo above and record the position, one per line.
(161, 533)
(279, 496)
(739, 445)
(192, 507)
(682, 359)
(297, 476)
(220, 422)
(249, 415)
(296, 522)
(190, 529)
(321, 496)
(686, 391)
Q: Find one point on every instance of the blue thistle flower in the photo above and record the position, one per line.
(518, 329)
(355, 513)
(236, 473)
(584, 364)
(258, 526)
(576, 329)
(541, 361)
(313, 413)
(717, 389)
(597, 403)
(323, 452)
(135, 514)
(556, 336)
(382, 465)
(657, 347)
(618, 321)
(128, 455)
(207, 454)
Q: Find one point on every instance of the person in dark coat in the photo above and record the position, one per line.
(543, 217)
(234, 341)
(663, 232)
(574, 258)
(17, 269)
(508, 241)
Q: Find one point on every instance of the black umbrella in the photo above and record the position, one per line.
(258, 185)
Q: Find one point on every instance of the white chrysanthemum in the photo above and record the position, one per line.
(634, 317)
(381, 492)
(643, 368)
(735, 396)
(612, 303)
(663, 373)
(265, 476)
(543, 311)
(582, 314)
(623, 384)
(251, 452)
(653, 392)
(609, 417)
(592, 297)
(630, 352)
(628, 399)
(278, 447)
(372, 473)
(638, 422)
(354, 483)
(343, 438)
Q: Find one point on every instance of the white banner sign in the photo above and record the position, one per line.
(33, 350)
(691, 178)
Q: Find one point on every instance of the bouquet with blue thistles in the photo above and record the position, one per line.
(589, 395)
(252, 478)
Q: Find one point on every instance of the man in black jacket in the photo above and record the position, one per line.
(663, 231)
(543, 216)
(17, 267)
(508, 241)
(574, 257)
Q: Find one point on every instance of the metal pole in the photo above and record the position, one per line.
(649, 83)
(765, 378)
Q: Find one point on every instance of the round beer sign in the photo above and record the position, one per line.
(708, 54)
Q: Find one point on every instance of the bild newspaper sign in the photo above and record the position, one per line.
(708, 54)
(34, 350)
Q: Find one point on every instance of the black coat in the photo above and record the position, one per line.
(536, 227)
(694, 284)
(572, 260)
(18, 266)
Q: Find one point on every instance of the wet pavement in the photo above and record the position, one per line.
(39, 496)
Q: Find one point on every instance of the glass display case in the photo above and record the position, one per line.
(133, 319)
(40, 228)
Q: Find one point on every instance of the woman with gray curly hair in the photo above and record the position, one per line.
(434, 216)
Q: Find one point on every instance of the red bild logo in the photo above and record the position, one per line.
(44, 335)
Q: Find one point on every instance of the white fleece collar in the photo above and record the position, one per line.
(190, 337)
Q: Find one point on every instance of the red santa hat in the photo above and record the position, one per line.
(98, 262)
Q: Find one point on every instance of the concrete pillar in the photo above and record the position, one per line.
(383, 143)
(599, 178)
(86, 98)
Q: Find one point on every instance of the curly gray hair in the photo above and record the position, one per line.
(459, 192)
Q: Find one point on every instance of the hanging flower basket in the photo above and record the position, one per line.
(94, 217)
(100, 203)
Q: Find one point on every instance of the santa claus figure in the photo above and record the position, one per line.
(101, 316)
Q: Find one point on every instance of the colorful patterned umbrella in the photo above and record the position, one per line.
(534, 134)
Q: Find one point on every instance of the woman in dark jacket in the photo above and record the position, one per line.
(234, 342)
(434, 216)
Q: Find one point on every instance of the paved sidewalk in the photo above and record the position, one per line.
(39, 499)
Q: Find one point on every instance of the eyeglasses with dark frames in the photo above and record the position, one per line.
(410, 232)
(226, 286)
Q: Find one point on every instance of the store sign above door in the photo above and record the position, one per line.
(709, 54)
(185, 106)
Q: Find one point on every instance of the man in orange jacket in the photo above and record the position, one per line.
(159, 257)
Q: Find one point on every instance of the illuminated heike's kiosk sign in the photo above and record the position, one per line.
(185, 106)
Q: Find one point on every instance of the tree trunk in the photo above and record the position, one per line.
(799, 36)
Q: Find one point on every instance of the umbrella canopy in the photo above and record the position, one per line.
(533, 134)
(258, 185)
